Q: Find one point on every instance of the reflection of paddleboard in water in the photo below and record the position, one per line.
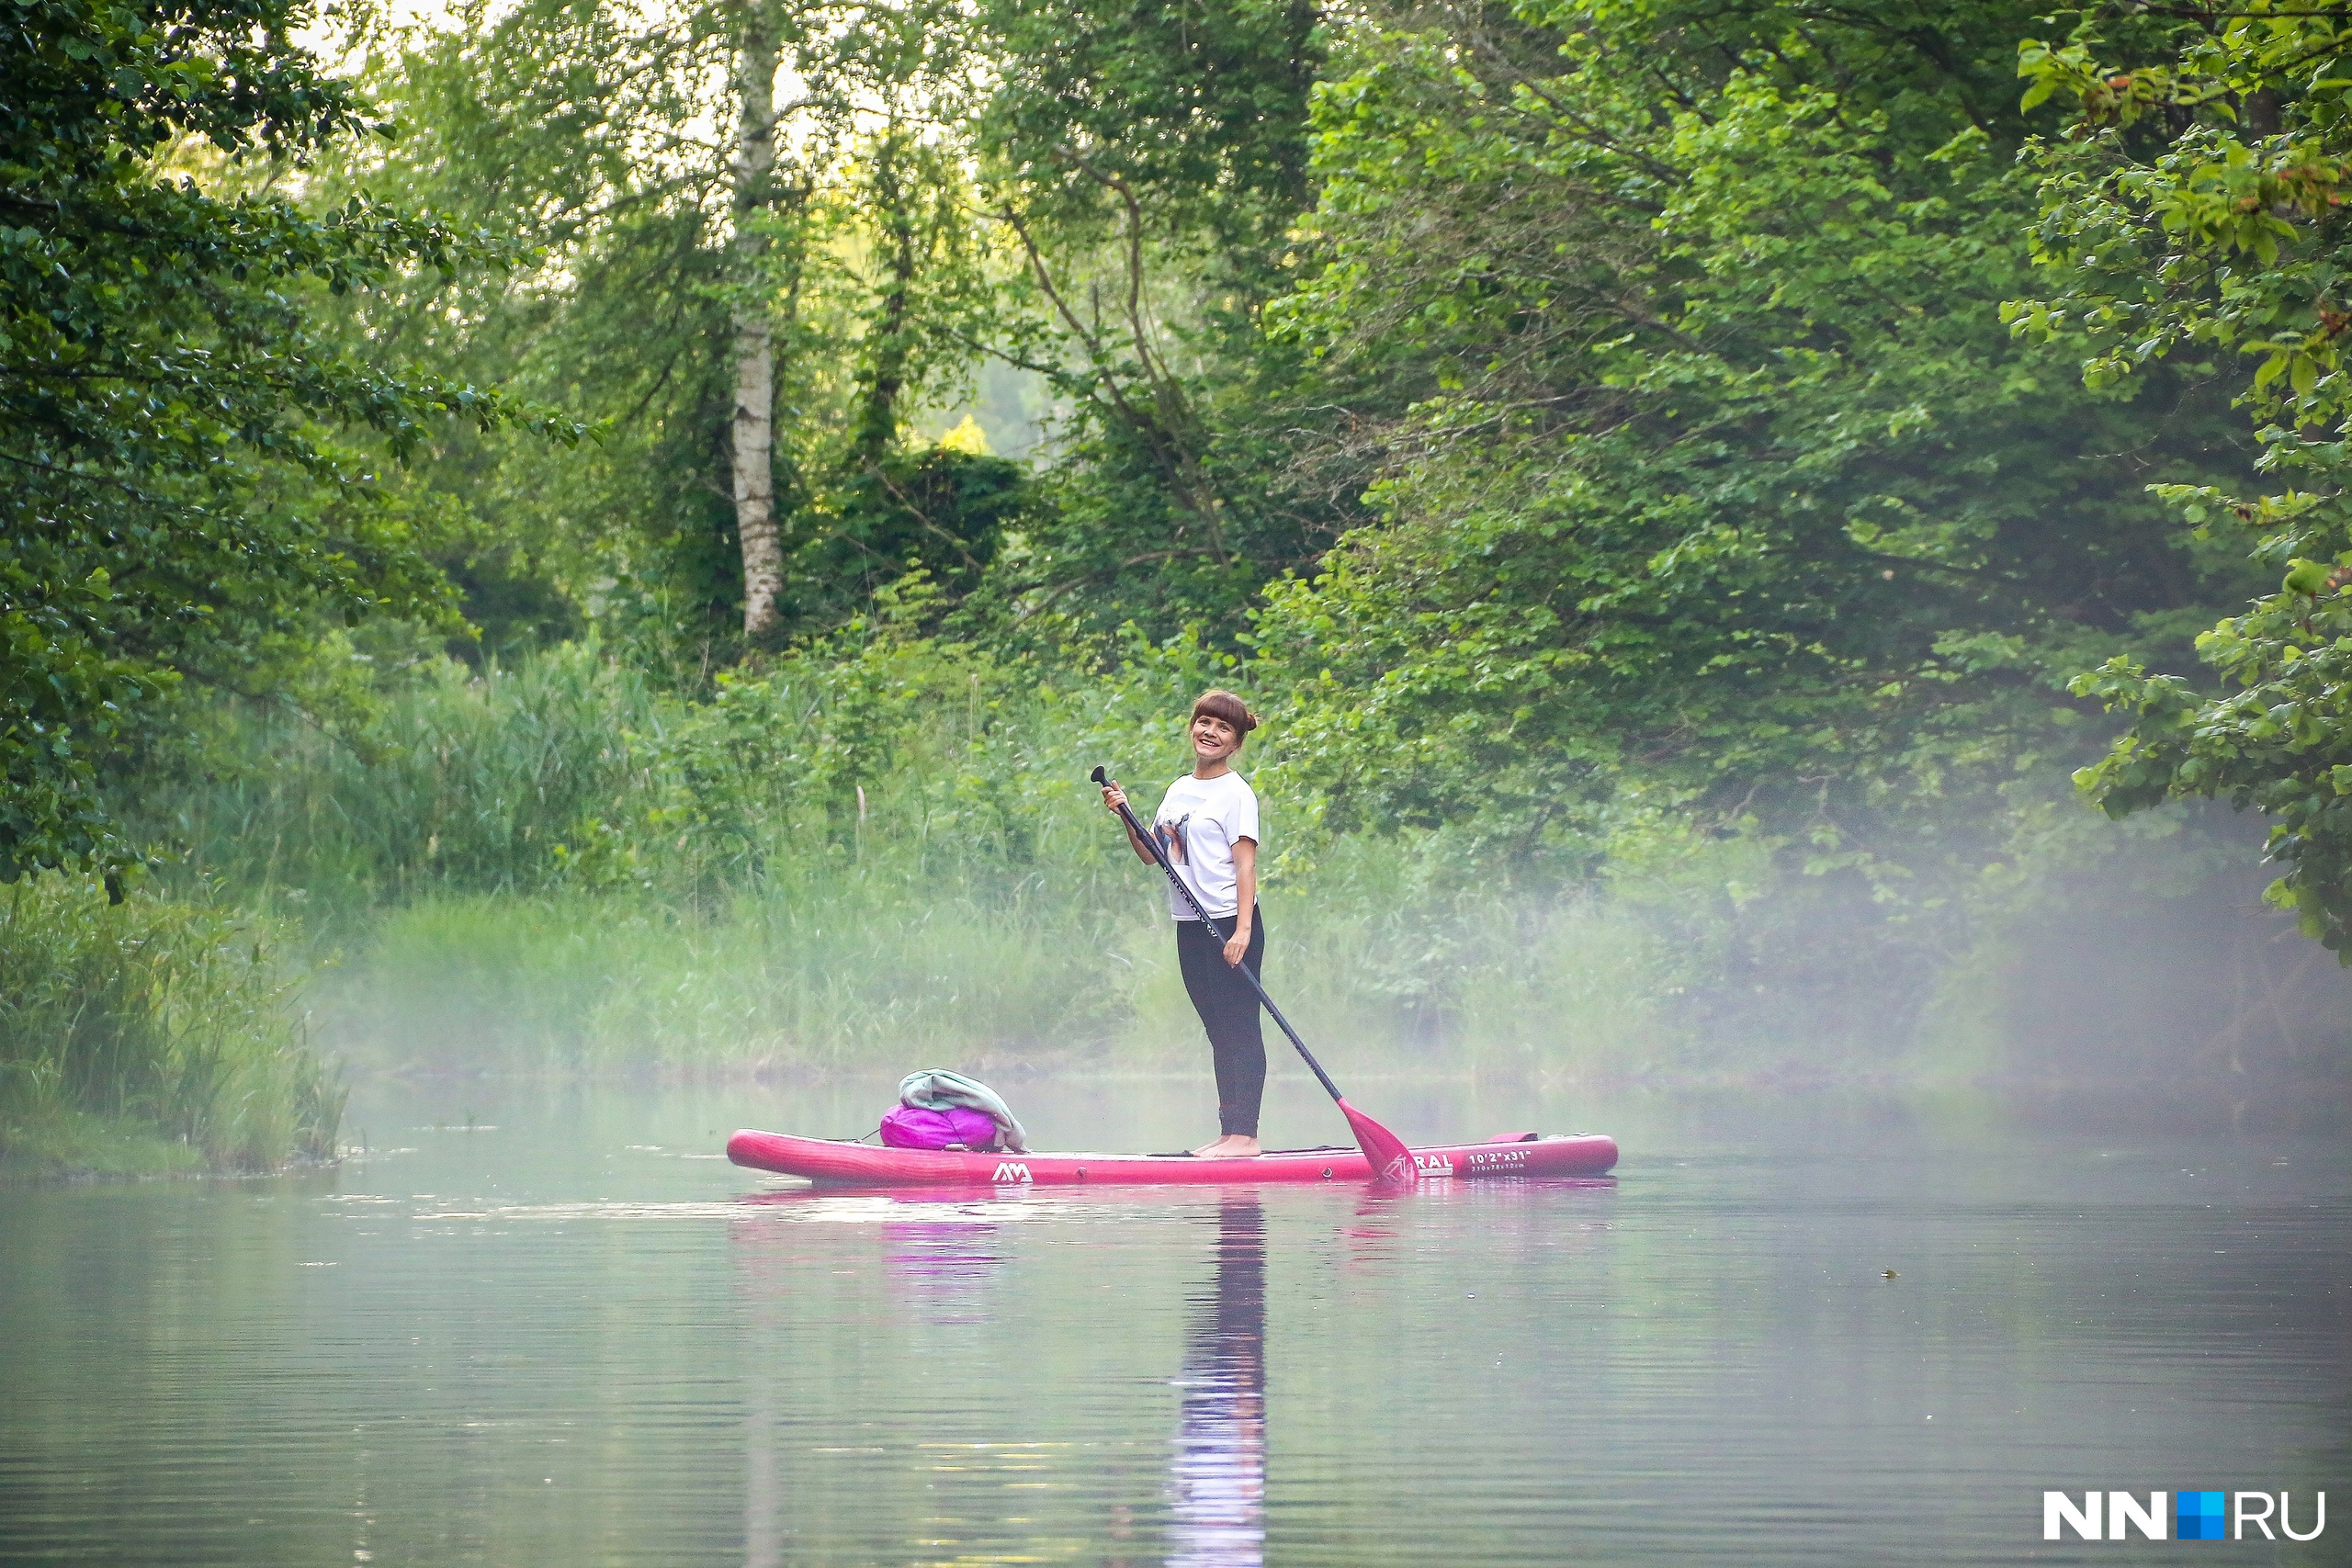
(943, 1269)
(1217, 1483)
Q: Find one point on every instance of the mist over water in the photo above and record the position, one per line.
(568, 1333)
(2129, 980)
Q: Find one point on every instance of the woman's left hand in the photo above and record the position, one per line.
(1236, 946)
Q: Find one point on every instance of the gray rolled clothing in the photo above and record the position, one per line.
(937, 1088)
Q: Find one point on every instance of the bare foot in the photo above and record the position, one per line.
(1233, 1145)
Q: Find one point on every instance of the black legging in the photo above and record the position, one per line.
(1228, 1010)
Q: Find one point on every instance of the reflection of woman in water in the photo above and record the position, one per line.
(1217, 1481)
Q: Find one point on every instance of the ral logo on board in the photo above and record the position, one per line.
(1433, 1165)
(2193, 1516)
(1011, 1170)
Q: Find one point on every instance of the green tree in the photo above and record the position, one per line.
(1665, 340)
(2195, 210)
(180, 505)
(748, 316)
(1147, 161)
(610, 140)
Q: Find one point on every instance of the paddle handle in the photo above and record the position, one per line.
(1102, 777)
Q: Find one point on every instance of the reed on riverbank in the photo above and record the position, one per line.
(872, 977)
(885, 844)
(884, 848)
(147, 1037)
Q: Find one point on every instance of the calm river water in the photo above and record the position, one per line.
(571, 1334)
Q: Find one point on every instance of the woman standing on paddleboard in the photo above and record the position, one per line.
(1207, 826)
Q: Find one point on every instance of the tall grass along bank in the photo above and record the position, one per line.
(882, 849)
(882, 852)
(148, 1037)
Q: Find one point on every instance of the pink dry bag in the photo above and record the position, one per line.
(913, 1127)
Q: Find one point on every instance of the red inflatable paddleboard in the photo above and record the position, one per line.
(866, 1164)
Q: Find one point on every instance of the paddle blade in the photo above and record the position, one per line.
(1391, 1160)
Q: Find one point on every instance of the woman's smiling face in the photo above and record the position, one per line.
(1214, 739)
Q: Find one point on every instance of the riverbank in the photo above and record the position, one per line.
(885, 854)
(861, 983)
(888, 846)
(151, 1037)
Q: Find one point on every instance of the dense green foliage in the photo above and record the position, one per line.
(148, 1036)
(1146, 164)
(2196, 211)
(584, 130)
(884, 844)
(1700, 460)
(1591, 433)
(1664, 417)
(887, 850)
(190, 498)
(175, 505)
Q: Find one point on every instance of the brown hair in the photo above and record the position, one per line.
(1222, 704)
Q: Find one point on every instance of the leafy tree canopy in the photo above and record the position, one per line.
(179, 504)
(2195, 210)
(1666, 339)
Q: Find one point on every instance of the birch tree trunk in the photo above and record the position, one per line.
(753, 433)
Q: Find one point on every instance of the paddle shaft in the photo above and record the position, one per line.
(1149, 842)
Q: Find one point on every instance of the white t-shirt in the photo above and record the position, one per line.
(1197, 825)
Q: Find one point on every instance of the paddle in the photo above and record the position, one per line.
(1391, 1160)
